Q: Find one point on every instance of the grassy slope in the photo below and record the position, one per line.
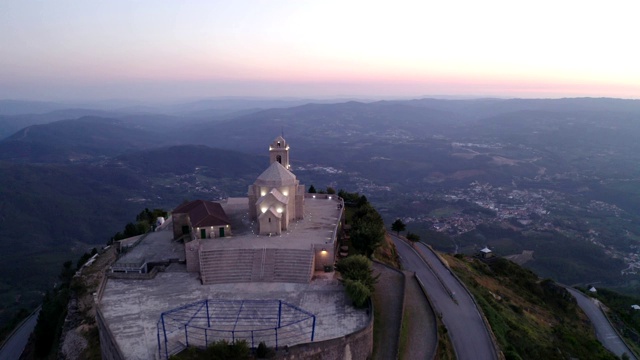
(532, 319)
(622, 315)
(387, 253)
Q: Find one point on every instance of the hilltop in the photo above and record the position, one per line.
(555, 179)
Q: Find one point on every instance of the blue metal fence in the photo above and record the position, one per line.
(274, 322)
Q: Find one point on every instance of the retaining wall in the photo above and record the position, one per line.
(357, 345)
(109, 349)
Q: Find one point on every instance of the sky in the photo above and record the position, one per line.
(158, 49)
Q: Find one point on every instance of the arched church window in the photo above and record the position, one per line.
(278, 143)
(269, 219)
(279, 159)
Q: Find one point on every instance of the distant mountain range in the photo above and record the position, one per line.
(72, 177)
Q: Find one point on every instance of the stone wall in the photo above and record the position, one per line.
(192, 255)
(109, 349)
(180, 220)
(357, 345)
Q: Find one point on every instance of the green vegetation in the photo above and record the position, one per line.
(531, 319)
(86, 256)
(387, 253)
(219, 350)
(357, 276)
(145, 221)
(46, 335)
(445, 347)
(367, 231)
(622, 315)
(367, 227)
(398, 226)
(54, 310)
(413, 237)
(359, 212)
(557, 255)
(265, 352)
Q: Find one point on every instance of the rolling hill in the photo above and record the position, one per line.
(412, 159)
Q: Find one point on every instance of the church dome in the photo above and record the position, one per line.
(276, 176)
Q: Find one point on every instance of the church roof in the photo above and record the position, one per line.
(280, 140)
(203, 213)
(276, 175)
(273, 194)
(270, 211)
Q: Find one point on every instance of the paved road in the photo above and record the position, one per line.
(466, 329)
(388, 296)
(421, 320)
(604, 332)
(14, 346)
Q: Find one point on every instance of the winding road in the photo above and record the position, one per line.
(604, 331)
(466, 329)
(17, 340)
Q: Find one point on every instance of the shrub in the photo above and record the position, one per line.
(358, 292)
(264, 352)
(358, 278)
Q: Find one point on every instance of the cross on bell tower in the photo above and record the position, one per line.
(279, 151)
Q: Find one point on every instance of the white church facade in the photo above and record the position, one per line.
(277, 197)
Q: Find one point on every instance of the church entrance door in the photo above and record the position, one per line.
(221, 232)
(203, 233)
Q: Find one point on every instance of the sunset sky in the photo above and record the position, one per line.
(156, 49)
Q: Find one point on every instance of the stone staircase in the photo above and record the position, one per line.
(226, 266)
(263, 265)
(293, 265)
(256, 265)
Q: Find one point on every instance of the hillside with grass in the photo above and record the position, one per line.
(530, 318)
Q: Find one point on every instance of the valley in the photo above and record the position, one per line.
(555, 179)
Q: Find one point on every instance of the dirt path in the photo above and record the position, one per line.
(387, 301)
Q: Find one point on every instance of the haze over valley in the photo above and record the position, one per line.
(498, 125)
(555, 181)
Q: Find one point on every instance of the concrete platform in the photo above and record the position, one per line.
(317, 227)
(156, 246)
(132, 308)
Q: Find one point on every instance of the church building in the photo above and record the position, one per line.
(277, 197)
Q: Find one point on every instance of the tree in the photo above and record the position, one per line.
(362, 201)
(398, 226)
(357, 277)
(331, 190)
(312, 189)
(367, 234)
(350, 199)
(413, 237)
(367, 231)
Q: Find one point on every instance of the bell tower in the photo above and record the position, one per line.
(279, 151)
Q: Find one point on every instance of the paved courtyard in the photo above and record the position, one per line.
(132, 308)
